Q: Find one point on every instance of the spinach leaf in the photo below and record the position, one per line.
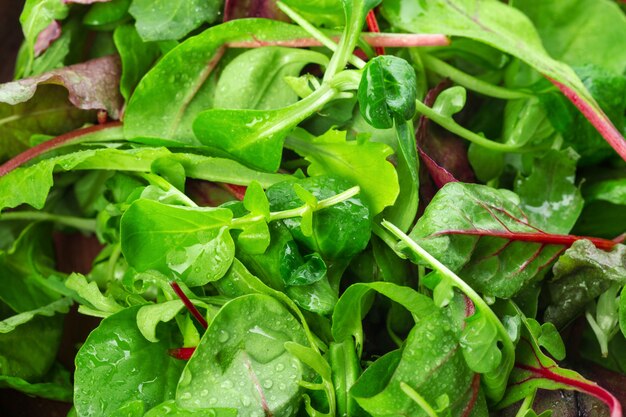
(172, 409)
(242, 363)
(171, 20)
(195, 243)
(581, 274)
(257, 75)
(361, 162)
(104, 14)
(186, 73)
(116, 365)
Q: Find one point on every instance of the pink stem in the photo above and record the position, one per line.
(237, 191)
(182, 353)
(596, 117)
(546, 238)
(192, 308)
(587, 387)
(402, 40)
(59, 141)
(372, 24)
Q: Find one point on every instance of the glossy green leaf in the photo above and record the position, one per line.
(182, 83)
(581, 274)
(165, 20)
(116, 365)
(104, 305)
(479, 342)
(149, 316)
(387, 91)
(255, 79)
(192, 243)
(471, 229)
(359, 162)
(172, 409)
(242, 363)
(107, 13)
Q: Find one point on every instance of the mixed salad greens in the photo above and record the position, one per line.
(299, 216)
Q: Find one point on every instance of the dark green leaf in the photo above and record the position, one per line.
(56, 385)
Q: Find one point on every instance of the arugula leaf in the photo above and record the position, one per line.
(116, 359)
(171, 20)
(361, 162)
(581, 274)
(242, 363)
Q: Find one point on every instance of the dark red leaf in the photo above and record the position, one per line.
(47, 36)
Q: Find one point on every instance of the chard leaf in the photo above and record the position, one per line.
(93, 85)
(193, 243)
(534, 370)
(182, 83)
(505, 28)
(581, 274)
(36, 16)
(162, 20)
(116, 365)
(360, 162)
(255, 79)
(549, 195)
(483, 234)
(241, 361)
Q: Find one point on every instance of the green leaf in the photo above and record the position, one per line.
(339, 231)
(549, 195)
(255, 79)
(35, 17)
(432, 348)
(581, 274)
(387, 91)
(24, 269)
(327, 13)
(359, 162)
(59, 306)
(56, 385)
(172, 409)
(89, 291)
(149, 316)
(479, 341)
(182, 83)
(116, 365)
(165, 20)
(472, 230)
(193, 243)
(107, 13)
(622, 313)
(242, 363)
(255, 200)
(450, 101)
(137, 57)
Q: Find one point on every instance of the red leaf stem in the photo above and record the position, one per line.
(192, 308)
(538, 237)
(63, 140)
(237, 191)
(372, 24)
(586, 387)
(597, 118)
(399, 40)
(182, 353)
(475, 387)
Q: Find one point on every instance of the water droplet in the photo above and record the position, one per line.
(227, 384)
(268, 384)
(185, 396)
(245, 401)
(282, 386)
(223, 336)
(204, 392)
(280, 367)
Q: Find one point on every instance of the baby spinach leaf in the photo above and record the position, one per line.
(195, 243)
(340, 231)
(509, 30)
(548, 195)
(137, 57)
(255, 79)
(92, 85)
(36, 16)
(361, 162)
(107, 13)
(318, 297)
(242, 363)
(478, 237)
(581, 274)
(186, 73)
(171, 20)
(387, 91)
(432, 347)
(116, 365)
